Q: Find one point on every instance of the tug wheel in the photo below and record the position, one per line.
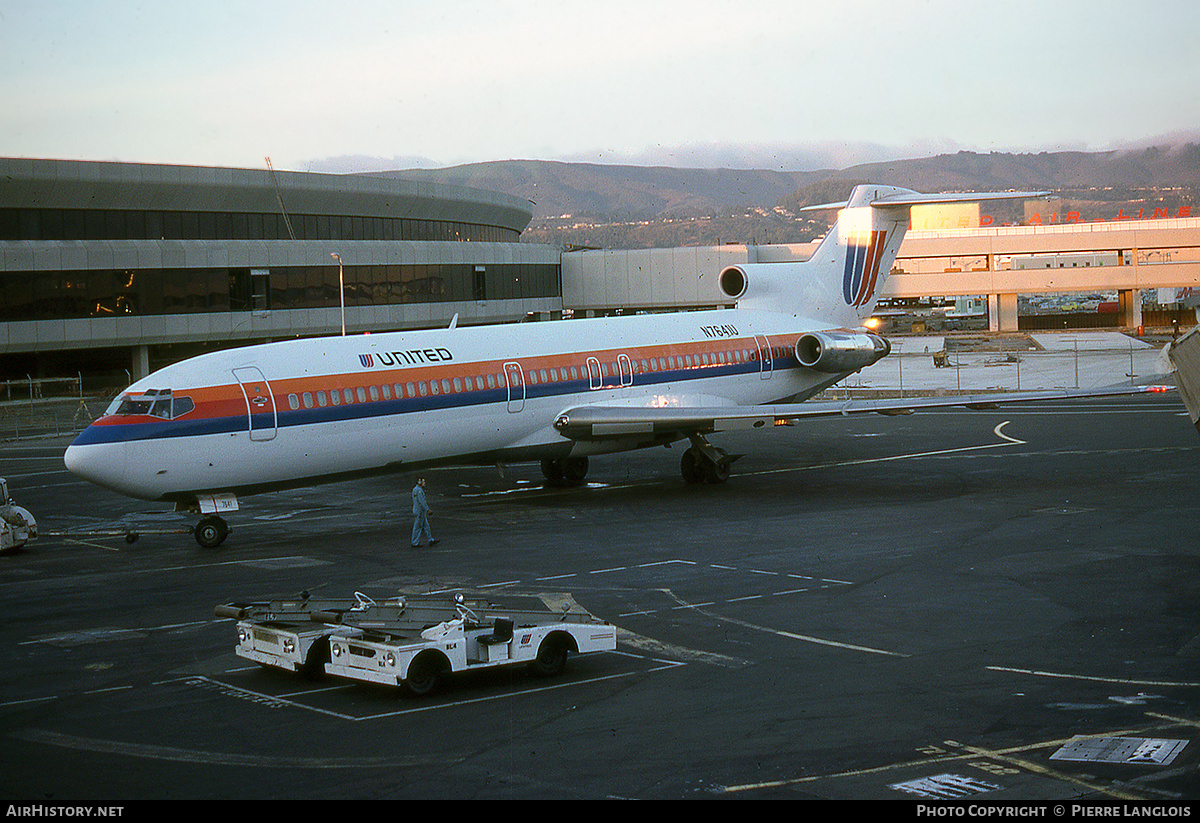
(424, 674)
(551, 657)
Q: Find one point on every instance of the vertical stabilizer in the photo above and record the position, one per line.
(853, 262)
(841, 283)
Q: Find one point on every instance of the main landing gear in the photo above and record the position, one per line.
(704, 463)
(565, 471)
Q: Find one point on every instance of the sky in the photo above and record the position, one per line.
(363, 85)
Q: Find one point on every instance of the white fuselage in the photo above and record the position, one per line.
(296, 412)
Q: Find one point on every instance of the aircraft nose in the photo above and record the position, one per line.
(99, 463)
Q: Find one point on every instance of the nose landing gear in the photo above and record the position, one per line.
(211, 531)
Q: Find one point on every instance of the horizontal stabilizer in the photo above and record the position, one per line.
(918, 199)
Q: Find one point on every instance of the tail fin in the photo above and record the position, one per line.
(855, 258)
(840, 284)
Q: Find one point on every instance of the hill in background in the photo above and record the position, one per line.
(612, 206)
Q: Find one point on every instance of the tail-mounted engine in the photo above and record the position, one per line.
(733, 282)
(835, 352)
(763, 286)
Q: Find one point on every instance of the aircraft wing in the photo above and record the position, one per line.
(602, 422)
(1184, 355)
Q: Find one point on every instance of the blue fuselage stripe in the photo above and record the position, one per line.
(285, 418)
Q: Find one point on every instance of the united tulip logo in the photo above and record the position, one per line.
(864, 253)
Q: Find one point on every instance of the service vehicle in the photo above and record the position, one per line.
(293, 634)
(17, 525)
(493, 636)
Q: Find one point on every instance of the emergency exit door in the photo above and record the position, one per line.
(514, 376)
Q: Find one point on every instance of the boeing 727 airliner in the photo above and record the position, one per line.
(206, 430)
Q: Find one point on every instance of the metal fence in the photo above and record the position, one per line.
(40, 407)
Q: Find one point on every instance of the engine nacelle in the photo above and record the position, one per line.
(762, 286)
(835, 352)
(733, 282)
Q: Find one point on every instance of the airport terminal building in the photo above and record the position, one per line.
(118, 267)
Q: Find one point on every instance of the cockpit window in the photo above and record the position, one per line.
(160, 403)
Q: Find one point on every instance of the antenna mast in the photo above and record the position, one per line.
(279, 196)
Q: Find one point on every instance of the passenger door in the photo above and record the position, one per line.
(262, 418)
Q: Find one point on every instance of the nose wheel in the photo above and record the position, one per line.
(211, 532)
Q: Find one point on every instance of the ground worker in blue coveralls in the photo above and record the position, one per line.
(421, 516)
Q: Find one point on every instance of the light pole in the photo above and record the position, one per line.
(341, 290)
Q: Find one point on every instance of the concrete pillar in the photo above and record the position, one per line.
(139, 366)
(1002, 312)
(1129, 304)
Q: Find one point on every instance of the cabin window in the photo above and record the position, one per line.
(445, 386)
(532, 376)
(574, 373)
(362, 395)
(374, 390)
(321, 401)
(544, 375)
(458, 386)
(335, 397)
(423, 389)
(293, 402)
(387, 391)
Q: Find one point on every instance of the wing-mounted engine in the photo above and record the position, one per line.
(835, 352)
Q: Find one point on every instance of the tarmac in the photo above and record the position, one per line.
(992, 606)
